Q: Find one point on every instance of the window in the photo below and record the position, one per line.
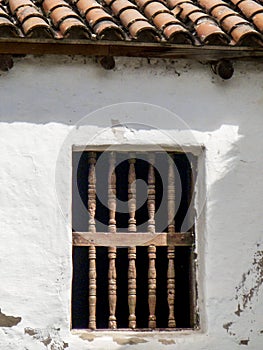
(133, 268)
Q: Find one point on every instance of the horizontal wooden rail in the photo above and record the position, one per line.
(24, 46)
(132, 239)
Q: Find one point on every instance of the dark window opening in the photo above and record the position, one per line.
(117, 292)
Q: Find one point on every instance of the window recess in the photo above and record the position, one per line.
(133, 267)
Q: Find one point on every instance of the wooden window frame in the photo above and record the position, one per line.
(150, 239)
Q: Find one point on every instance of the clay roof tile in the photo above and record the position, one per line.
(194, 22)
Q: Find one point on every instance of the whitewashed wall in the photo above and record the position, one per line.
(41, 99)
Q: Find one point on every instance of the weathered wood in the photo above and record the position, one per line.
(125, 48)
(92, 287)
(152, 286)
(171, 195)
(112, 287)
(92, 191)
(132, 194)
(112, 193)
(123, 239)
(151, 194)
(171, 286)
(132, 286)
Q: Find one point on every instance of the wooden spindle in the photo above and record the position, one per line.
(171, 286)
(171, 196)
(132, 195)
(112, 287)
(92, 191)
(92, 287)
(151, 195)
(132, 286)
(152, 286)
(112, 193)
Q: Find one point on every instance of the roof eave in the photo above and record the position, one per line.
(25, 46)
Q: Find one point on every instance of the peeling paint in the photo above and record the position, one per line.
(227, 326)
(166, 341)
(250, 283)
(238, 311)
(129, 341)
(8, 321)
(50, 338)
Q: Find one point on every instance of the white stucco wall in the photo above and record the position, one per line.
(41, 101)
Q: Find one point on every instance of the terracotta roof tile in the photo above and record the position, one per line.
(86, 5)
(60, 13)
(193, 22)
(258, 21)
(250, 8)
(108, 30)
(50, 5)
(23, 13)
(74, 29)
(209, 33)
(154, 8)
(7, 28)
(165, 21)
(133, 20)
(14, 5)
(96, 15)
(119, 6)
(143, 31)
(36, 27)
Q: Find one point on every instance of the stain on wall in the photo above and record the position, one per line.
(129, 341)
(166, 341)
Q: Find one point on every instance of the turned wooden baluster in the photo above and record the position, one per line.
(112, 193)
(112, 287)
(151, 195)
(92, 287)
(171, 196)
(152, 286)
(132, 195)
(132, 286)
(171, 286)
(92, 191)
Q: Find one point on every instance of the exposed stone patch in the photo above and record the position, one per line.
(47, 341)
(129, 341)
(30, 331)
(166, 341)
(50, 338)
(8, 321)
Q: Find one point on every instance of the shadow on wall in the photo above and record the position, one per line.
(41, 90)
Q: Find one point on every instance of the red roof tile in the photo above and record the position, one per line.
(194, 22)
